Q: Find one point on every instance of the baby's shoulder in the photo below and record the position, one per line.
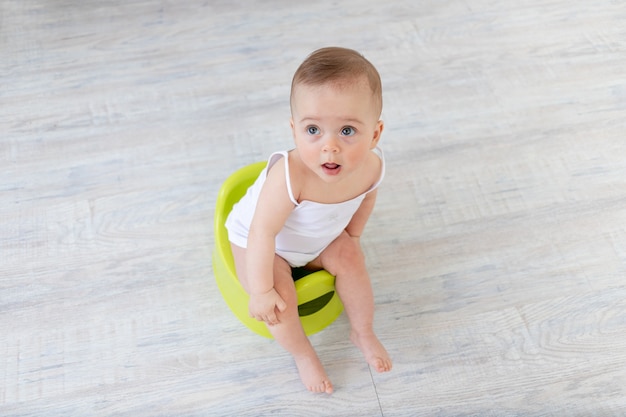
(279, 178)
(297, 174)
(276, 169)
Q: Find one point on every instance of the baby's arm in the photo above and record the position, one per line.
(271, 212)
(359, 220)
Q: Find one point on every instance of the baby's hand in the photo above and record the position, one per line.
(263, 306)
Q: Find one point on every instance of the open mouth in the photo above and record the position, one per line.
(331, 168)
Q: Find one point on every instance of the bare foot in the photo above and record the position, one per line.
(313, 375)
(375, 353)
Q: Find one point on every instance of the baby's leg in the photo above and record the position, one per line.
(289, 332)
(344, 259)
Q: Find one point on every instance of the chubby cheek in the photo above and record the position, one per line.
(357, 156)
(308, 153)
(312, 158)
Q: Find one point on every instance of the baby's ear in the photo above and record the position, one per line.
(293, 127)
(380, 125)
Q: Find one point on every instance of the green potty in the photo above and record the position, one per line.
(318, 302)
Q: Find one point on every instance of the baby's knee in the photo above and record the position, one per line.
(288, 293)
(347, 255)
(351, 248)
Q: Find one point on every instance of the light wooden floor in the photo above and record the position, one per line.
(497, 249)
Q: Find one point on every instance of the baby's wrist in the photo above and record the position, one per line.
(257, 293)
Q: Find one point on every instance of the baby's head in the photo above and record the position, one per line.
(338, 66)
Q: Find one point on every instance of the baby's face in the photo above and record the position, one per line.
(335, 126)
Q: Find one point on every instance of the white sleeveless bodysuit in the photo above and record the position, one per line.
(310, 227)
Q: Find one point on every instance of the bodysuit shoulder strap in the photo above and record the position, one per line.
(272, 160)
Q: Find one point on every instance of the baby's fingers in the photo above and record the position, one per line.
(266, 318)
(281, 305)
(271, 319)
(258, 316)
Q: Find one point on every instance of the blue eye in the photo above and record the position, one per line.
(313, 130)
(348, 131)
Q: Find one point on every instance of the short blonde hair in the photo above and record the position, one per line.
(335, 64)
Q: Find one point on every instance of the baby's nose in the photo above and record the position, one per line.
(331, 145)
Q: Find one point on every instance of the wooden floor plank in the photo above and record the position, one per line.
(497, 248)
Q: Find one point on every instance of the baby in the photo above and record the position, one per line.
(310, 205)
